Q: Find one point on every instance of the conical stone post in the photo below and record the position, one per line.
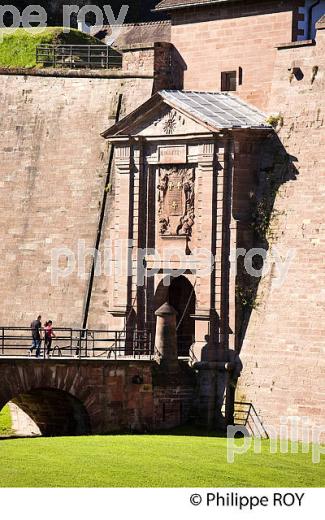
(166, 336)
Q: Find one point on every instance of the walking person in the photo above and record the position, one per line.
(36, 327)
(49, 334)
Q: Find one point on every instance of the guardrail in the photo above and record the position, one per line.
(246, 415)
(78, 56)
(78, 343)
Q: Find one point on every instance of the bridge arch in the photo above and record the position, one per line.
(55, 412)
(56, 397)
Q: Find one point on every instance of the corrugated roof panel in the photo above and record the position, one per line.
(218, 109)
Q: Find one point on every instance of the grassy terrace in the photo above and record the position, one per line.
(18, 48)
(168, 460)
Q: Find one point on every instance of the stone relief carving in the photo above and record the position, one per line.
(176, 200)
(170, 122)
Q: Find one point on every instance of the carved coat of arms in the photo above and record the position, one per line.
(176, 201)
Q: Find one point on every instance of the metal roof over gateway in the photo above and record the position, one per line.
(217, 111)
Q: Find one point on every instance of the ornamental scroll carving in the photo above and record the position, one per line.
(176, 201)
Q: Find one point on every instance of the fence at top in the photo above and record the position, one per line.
(78, 56)
(78, 343)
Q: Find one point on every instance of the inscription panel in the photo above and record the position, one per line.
(172, 154)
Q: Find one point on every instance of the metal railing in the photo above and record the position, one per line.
(78, 343)
(78, 56)
(245, 415)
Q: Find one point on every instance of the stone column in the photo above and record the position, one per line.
(211, 366)
(204, 211)
(122, 257)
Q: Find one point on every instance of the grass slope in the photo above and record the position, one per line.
(148, 461)
(5, 422)
(18, 48)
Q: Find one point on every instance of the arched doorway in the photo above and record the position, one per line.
(55, 412)
(181, 295)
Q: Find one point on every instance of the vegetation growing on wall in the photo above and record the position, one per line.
(275, 120)
(264, 215)
(276, 169)
(246, 297)
(18, 48)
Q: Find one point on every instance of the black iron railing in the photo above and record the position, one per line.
(79, 343)
(78, 56)
(246, 415)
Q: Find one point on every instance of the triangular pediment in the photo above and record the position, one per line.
(168, 121)
(179, 112)
(157, 119)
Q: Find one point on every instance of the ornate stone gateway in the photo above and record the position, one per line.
(175, 171)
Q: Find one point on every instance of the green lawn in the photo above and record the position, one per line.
(18, 48)
(148, 461)
(5, 421)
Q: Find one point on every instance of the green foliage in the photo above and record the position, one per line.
(264, 215)
(18, 48)
(5, 421)
(150, 461)
(275, 120)
(246, 297)
(265, 219)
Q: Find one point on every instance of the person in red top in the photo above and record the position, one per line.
(49, 334)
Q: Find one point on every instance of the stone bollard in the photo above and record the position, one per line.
(166, 337)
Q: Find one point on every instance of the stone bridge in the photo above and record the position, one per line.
(92, 396)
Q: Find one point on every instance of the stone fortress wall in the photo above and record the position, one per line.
(283, 352)
(53, 170)
(53, 167)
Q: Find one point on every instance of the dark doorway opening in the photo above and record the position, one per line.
(181, 296)
(180, 293)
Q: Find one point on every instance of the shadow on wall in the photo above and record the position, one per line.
(276, 169)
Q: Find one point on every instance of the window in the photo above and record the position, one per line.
(229, 81)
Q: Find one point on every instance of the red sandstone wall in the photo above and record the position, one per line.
(283, 353)
(117, 395)
(52, 176)
(224, 38)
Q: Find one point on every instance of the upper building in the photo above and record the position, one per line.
(231, 45)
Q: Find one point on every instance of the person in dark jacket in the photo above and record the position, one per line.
(36, 327)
